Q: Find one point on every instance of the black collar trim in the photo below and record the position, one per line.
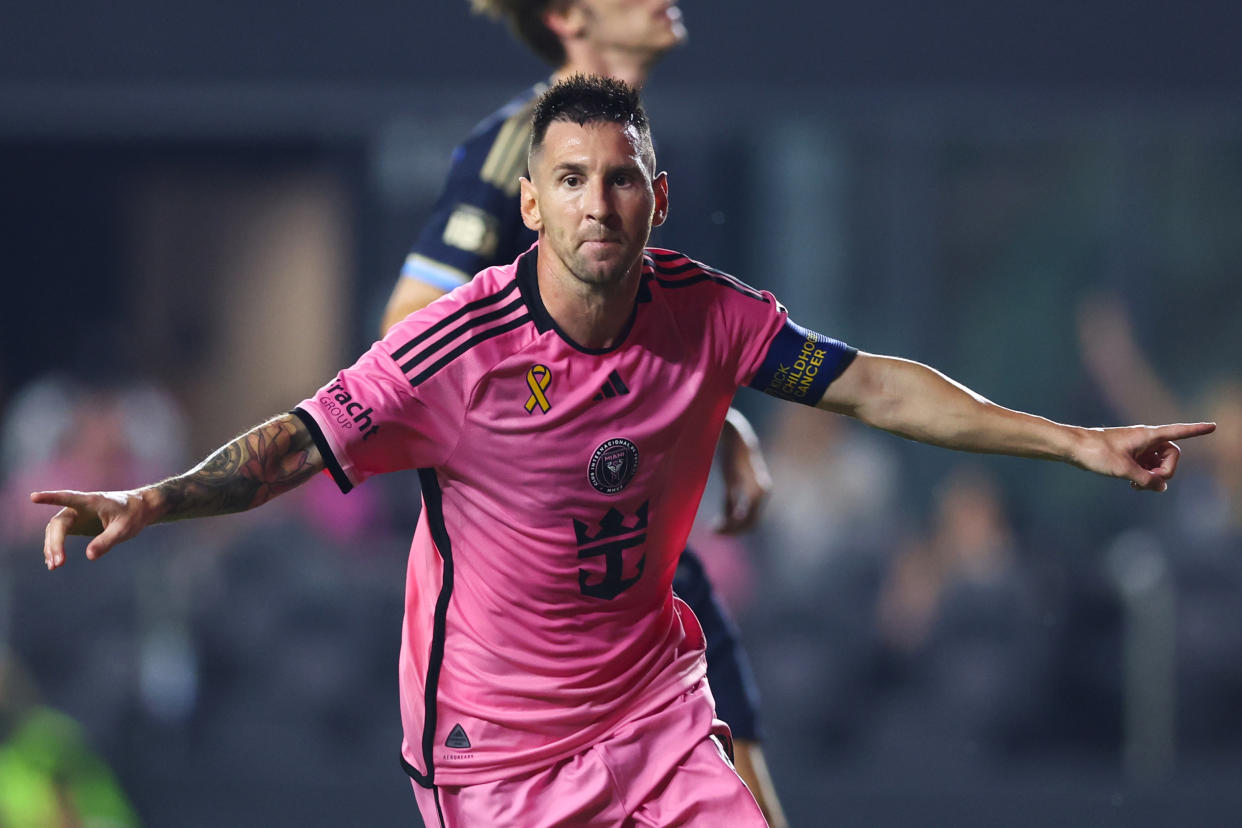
(527, 277)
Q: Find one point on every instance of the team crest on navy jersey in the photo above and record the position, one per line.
(613, 465)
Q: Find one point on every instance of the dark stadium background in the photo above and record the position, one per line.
(205, 205)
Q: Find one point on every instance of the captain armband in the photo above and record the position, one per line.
(800, 364)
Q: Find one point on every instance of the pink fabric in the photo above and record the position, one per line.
(527, 664)
(664, 770)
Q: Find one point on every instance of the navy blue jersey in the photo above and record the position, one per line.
(477, 223)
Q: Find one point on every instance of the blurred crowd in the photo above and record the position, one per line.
(944, 636)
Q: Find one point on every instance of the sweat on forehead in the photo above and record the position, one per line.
(591, 99)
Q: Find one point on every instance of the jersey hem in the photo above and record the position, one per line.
(443, 775)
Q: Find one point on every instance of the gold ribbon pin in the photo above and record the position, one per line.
(537, 379)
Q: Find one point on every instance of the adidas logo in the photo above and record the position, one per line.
(457, 738)
(613, 387)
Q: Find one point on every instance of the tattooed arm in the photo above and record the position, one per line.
(266, 461)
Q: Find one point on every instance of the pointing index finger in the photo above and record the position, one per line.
(57, 498)
(1182, 431)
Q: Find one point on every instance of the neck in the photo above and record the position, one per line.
(630, 67)
(593, 316)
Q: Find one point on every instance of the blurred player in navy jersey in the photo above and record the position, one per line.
(476, 224)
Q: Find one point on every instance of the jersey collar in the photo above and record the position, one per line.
(528, 283)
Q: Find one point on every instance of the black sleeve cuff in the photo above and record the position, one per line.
(325, 450)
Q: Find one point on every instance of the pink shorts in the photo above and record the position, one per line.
(660, 771)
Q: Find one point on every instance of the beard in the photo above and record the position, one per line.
(599, 273)
(602, 267)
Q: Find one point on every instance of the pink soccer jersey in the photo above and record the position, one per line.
(559, 484)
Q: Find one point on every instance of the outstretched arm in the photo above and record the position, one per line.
(266, 461)
(915, 401)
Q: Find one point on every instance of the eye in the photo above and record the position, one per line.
(622, 180)
(571, 181)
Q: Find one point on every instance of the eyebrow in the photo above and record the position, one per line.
(579, 168)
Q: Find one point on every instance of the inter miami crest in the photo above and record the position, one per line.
(613, 465)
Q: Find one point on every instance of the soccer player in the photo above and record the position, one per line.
(477, 223)
(549, 676)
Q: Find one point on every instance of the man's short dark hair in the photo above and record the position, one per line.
(592, 99)
(525, 19)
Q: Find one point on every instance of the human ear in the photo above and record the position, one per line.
(660, 187)
(530, 205)
(568, 22)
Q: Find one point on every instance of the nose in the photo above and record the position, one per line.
(599, 201)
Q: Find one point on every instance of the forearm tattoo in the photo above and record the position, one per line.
(266, 461)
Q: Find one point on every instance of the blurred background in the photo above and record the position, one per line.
(205, 207)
